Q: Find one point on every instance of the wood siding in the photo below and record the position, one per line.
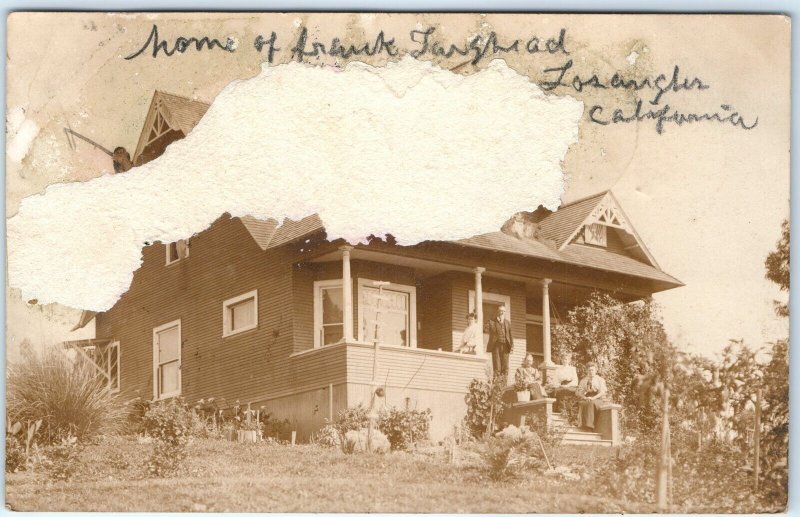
(224, 262)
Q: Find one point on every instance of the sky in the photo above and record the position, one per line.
(707, 199)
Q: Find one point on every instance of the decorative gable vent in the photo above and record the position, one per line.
(606, 213)
(596, 234)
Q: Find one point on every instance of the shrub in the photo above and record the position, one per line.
(507, 456)
(352, 419)
(136, 410)
(68, 397)
(550, 435)
(356, 441)
(19, 441)
(61, 461)
(484, 404)
(170, 424)
(328, 436)
(274, 427)
(706, 480)
(404, 427)
(166, 458)
(16, 457)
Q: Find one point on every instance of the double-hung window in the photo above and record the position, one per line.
(167, 360)
(328, 312)
(240, 313)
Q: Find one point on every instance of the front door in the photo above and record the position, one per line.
(491, 302)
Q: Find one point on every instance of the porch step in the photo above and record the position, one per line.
(575, 436)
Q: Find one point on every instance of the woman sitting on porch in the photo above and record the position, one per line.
(472, 340)
(591, 393)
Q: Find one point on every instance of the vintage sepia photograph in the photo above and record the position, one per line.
(397, 262)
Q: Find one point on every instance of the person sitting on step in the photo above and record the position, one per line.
(562, 382)
(591, 394)
(529, 375)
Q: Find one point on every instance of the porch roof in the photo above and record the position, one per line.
(575, 254)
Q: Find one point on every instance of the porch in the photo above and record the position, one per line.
(415, 309)
(413, 378)
(363, 294)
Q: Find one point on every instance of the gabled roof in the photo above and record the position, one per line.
(556, 232)
(261, 230)
(560, 225)
(169, 112)
(268, 234)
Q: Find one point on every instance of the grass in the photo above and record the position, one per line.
(224, 476)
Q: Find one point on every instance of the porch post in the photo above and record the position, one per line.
(479, 295)
(548, 360)
(347, 294)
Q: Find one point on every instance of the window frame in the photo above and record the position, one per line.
(177, 251)
(319, 285)
(114, 344)
(227, 320)
(412, 309)
(157, 365)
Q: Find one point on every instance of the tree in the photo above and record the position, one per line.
(776, 383)
(777, 264)
(627, 342)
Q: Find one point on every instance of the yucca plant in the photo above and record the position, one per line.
(67, 396)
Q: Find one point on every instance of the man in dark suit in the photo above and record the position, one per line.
(500, 342)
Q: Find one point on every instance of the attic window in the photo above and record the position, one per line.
(177, 250)
(596, 234)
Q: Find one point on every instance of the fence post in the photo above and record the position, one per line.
(757, 441)
(662, 475)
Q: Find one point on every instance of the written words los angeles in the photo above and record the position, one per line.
(651, 103)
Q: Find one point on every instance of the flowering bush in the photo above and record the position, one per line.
(404, 427)
(328, 436)
(170, 424)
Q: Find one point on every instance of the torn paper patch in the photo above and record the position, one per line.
(408, 149)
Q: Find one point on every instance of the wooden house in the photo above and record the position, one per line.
(280, 316)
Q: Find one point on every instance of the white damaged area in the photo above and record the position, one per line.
(408, 149)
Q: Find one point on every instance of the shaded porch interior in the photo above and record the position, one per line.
(424, 303)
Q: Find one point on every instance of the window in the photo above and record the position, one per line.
(167, 360)
(177, 250)
(491, 302)
(387, 313)
(240, 314)
(595, 234)
(328, 312)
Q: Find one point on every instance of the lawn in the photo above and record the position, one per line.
(221, 476)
